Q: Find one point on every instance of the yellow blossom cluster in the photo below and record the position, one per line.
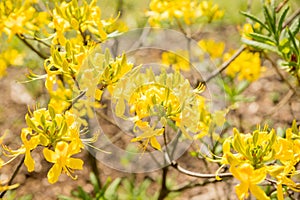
(212, 48)
(52, 131)
(9, 57)
(21, 17)
(255, 156)
(177, 60)
(156, 101)
(247, 66)
(188, 11)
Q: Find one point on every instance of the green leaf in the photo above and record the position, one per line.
(254, 18)
(292, 38)
(110, 192)
(94, 182)
(30, 123)
(282, 18)
(295, 27)
(262, 38)
(260, 45)
(270, 20)
(51, 112)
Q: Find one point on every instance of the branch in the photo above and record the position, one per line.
(31, 47)
(291, 18)
(274, 65)
(175, 165)
(13, 176)
(225, 64)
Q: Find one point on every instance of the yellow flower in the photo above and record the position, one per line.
(149, 135)
(188, 11)
(247, 66)
(29, 145)
(158, 101)
(62, 160)
(249, 178)
(213, 48)
(178, 60)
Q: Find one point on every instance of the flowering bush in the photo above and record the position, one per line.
(167, 110)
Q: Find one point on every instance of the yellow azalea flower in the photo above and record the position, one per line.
(62, 160)
(247, 66)
(29, 145)
(160, 100)
(249, 178)
(149, 135)
(10, 57)
(178, 60)
(114, 70)
(189, 11)
(213, 48)
(248, 28)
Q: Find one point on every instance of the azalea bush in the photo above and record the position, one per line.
(170, 104)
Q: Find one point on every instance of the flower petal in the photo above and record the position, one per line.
(74, 163)
(54, 173)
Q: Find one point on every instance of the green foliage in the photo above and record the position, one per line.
(278, 35)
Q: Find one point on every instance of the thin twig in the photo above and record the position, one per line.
(225, 64)
(35, 39)
(141, 39)
(278, 8)
(291, 18)
(31, 47)
(175, 165)
(13, 176)
(274, 65)
(283, 101)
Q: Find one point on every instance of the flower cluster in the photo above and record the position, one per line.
(259, 155)
(247, 66)
(58, 134)
(157, 101)
(21, 17)
(187, 11)
(212, 48)
(178, 60)
(9, 57)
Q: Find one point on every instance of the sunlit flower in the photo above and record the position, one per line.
(178, 60)
(213, 48)
(62, 160)
(247, 66)
(249, 178)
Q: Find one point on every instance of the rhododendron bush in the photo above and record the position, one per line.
(160, 92)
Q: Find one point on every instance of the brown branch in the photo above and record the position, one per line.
(31, 47)
(13, 176)
(291, 18)
(175, 165)
(278, 8)
(225, 64)
(274, 65)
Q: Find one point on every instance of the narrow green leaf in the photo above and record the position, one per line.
(281, 19)
(269, 20)
(292, 38)
(262, 38)
(111, 191)
(260, 45)
(295, 27)
(51, 112)
(254, 18)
